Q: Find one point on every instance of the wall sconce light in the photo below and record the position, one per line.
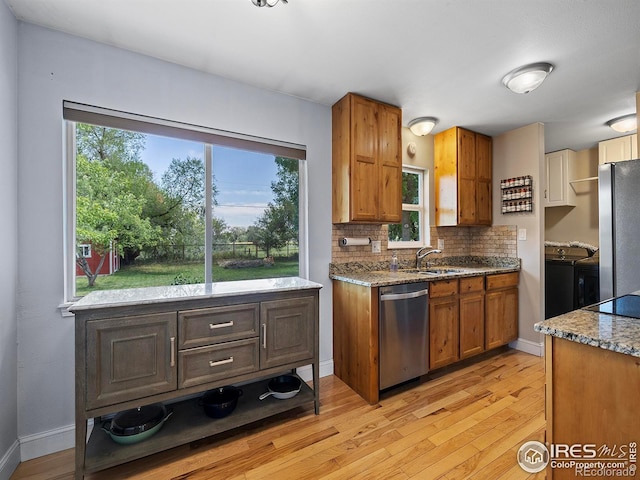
(527, 78)
(422, 126)
(624, 124)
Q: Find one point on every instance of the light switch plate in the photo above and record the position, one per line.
(522, 234)
(441, 244)
(376, 246)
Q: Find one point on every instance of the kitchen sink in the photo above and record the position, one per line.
(436, 271)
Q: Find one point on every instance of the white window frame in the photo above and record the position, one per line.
(85, 250)
(209, 137)
(421, 208)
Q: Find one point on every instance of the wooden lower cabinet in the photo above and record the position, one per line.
(472, 316)
(129, 356)
(466, 318)
(444, 317)
(591, 398)
(355, 338)
(501, 313)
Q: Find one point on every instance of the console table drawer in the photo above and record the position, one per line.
(207, 326)
(210, 364)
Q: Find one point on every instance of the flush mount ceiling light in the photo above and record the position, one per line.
(422, 126)
(528, 78)
(267, 3)
(624, 124)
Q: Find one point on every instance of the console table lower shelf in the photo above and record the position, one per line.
(189, 423)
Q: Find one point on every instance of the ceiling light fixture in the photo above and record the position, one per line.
(422, 126)
(624, 124)
(527, 78)
(267, 3)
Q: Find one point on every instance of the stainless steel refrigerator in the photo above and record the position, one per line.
(619, 207)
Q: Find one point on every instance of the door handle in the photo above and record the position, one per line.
(403, 296)
(172, 347)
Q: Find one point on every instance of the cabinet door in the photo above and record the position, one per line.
(364, 188)
(510, 315)
(617, 149)
(443, 331)
(484, 155)
(130, 357)
(467, 177)
(559, 167)
(287, 331)
(501, 326)
(390, 160)
(494, 315)
(471, 325)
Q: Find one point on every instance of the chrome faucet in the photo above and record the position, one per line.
(420, 254)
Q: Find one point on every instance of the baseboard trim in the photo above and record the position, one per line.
(528, 346)
(10, 461)
(44, 443)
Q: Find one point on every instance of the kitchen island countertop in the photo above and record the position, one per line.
(610, 332)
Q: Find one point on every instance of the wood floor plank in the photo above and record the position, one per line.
(454, 424)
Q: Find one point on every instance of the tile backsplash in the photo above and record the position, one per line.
(495, 241)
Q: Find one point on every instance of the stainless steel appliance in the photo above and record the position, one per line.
(625, 306)
(619, 207)
(404, 333)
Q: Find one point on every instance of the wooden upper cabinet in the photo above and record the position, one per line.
(367, 161)
(463, 165)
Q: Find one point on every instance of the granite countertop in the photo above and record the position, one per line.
(171, 293)
(607, 331)
(378, 274)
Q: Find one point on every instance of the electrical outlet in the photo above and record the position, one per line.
(522, 234)
(441, 244)
(376, 246)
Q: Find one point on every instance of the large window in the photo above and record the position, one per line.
(155, 210)
(411, 232)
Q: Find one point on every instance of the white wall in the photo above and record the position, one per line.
(9, 453)
(516, 153)
(54, 67)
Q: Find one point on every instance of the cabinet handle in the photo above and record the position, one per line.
(172, 347)
(220, 362)
(213, 326)
(264, 335)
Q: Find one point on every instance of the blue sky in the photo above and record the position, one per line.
(243, 178)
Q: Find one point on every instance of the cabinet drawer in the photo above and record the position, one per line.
(217, 362)
(219, 324)
(471, 284)
(502, 280)
(443, 288)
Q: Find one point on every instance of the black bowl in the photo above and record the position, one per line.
(220, 402)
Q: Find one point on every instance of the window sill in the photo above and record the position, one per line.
(64, 310)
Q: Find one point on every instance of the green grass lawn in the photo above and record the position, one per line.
(159, 274)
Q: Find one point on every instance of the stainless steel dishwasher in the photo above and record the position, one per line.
(404, 333)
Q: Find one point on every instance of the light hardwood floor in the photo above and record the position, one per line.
(466, 423)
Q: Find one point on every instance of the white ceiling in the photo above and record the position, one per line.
(442, 58)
